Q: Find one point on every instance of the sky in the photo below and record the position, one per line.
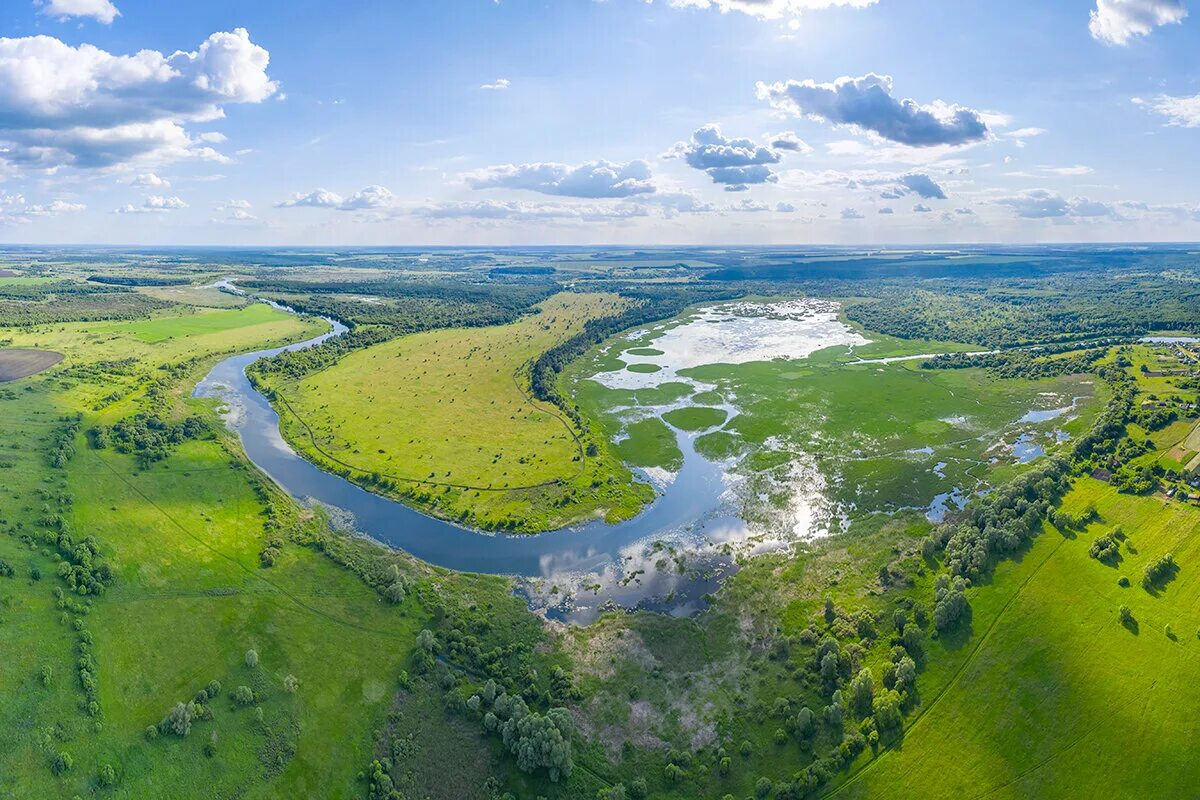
(494, 122)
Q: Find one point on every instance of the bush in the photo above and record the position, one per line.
(179, 720)
(291, 683)
(61, 763)
(1159, 571)
(251, 658)
(762, 787)
(107, 775)
(243, 695)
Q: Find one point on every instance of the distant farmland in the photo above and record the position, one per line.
(17, 363)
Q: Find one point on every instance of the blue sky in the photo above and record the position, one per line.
(578, 121)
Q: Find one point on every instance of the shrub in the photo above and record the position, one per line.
(179, 719)
(252, 658)
(762, 787)
(61, 763)
(291, 683)
(243, 695)
(107, 775)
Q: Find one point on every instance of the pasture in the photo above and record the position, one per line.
(445, 420)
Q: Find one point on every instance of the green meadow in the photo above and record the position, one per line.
(444, 420)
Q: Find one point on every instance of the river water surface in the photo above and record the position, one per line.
(691, 507)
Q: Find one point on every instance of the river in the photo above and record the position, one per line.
(691, 508)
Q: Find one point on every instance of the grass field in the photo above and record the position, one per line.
(1057, 698)
(445, 417)
(189, 599)
(195, 296)
(199, 322)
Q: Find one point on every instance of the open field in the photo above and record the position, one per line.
(194, 296)
(16, 364)
(446, 416)
(188, 598)
(1058, 698)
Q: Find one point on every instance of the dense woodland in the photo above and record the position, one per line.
(24, 305)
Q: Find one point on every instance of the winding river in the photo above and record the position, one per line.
(691, 506)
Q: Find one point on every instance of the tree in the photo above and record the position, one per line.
(906, 674)
(395, 592)
(425, 640)
(886, 708)
(62, 763)
(251, 658)
(1126, 615)
(862, 692)
(762, 787)
(291, 683)
(806, 723)
(107, 776)
(830, 611)
(243, 695)
(179, 720)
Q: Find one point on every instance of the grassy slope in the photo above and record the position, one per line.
(449, 407)
(190, 599)
(1060, 699)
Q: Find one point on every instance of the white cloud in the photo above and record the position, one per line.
(317, 198)
(150, 180)
(367, 198)
(735, 164)
(1183, 112)
(153, 204)
(499, 85)
(921, 208)
(1078, 169)
(771, 9)
(851, 213)
(595, 179)
(867, 104)
(84, 107)
(15, 210)
(1044, 204)
(1115, 22)
(516, 210)
(885, 210)
(99, 10)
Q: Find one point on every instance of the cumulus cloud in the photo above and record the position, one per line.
(791, 142)
(1044, 204)
(886, 210)
(153, 204)
(99, 10)
(771, 9)
(867, 104)
(921, 208)
(595, 179)
(851, 213)
(15, 210)
(735, 164)
(84, 107)
(1183, 112)
(894, 185)
(370, 197)
(1115, 22)
(149, 179)
(498, 85)
(519, 211)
